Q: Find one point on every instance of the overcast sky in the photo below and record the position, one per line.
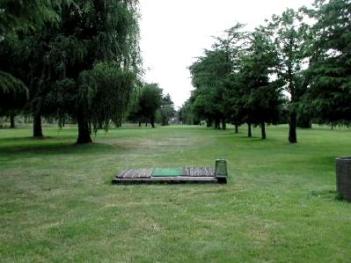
(175, 32)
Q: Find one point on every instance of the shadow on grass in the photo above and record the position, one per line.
(255, 138)
(326, 194)
(327, 161)
(25, 139)
(49, 146)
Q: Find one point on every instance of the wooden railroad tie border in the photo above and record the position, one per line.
(188, 175)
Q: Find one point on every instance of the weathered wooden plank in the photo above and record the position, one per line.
(135, 173)
(168, 180)
(186, 175)
(199, 172)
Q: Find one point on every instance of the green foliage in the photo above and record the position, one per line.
(330, 68)
(292, 39)
(291, 35)
(102, 35)
(242, 79)
(186, 114)
(261, 97)
(13, 88)
(27, 15)
(232, 81)
(212, 76)
(78, 58)
(208, 74)
(13, 92)
(149, 102)
(166, 111)
(105, 90)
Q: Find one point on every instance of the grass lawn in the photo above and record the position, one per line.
(57, 203)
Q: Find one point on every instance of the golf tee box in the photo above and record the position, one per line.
(219, 174)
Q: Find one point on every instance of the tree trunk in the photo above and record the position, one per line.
(26, 119)
(304, 121)
(152, 122)
(236, 128)
(292, 128)
(12, 121)
(217, 124)
(209, 123)
(263, 131)
(224, 124)
(139, 123)
(37, 128)
(83, 130)
(293, 115)
(249, 130)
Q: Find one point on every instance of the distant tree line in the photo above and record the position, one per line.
(295, 68)
(150, 105)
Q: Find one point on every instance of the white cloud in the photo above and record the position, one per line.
(175, 32)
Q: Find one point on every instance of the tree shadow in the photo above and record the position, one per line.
(326, 194)
(28, 147)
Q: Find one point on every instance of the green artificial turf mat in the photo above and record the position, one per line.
(167, 172)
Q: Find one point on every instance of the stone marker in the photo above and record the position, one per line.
(343, 177)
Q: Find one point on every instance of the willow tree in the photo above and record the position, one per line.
(27, 15)
(95, 57)
(148, 103)
(13, 90)
(13, 95)
(18, 18)
(24, 43)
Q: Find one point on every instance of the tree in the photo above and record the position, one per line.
(13, 96)
(208, 75)
(235, 100)
(261, 97)
(186, 114)
(83, 61)
(27, 15)
(303, 106)
(148, 104)
(105, 81)
(94, 56)
(330, 71)
(213, 75)
(17, 18)
(290, 34)
(167, 110)
(13, 91)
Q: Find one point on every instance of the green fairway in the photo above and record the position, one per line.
(57, 203)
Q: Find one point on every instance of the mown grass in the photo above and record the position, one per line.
(57, 203)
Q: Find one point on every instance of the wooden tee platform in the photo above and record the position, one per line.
(169, 176)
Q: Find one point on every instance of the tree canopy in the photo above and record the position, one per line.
(79, 59)
(297, 62)
(330, 68)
